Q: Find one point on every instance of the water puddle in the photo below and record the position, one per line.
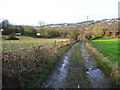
(65, 62)
(58, 76)
(94, 73)
(97, 77)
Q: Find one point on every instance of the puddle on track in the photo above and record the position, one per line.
(95, 73)
(57, 78)
(96, 76)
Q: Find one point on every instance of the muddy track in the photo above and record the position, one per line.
(57, 78)
(96, 76)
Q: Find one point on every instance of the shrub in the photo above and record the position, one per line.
(73, 34)
(12, 37)
(29, 31)
(97, 31)
(19, 66)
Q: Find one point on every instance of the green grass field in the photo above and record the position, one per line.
(28, 42)
(108, 47)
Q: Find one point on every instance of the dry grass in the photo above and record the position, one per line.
(26, 42)
(19, 66)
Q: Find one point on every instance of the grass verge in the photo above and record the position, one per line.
(107, 66)
(77, 75)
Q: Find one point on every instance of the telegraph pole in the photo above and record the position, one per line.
(87, 20)
(87, 23)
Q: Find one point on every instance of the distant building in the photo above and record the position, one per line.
(18, 34)
(2, 30)
(38, 34)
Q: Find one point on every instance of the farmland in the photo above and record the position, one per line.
(33, 65)
(31, 69)
(26, 42)
(108, 47)
(30, 59)
(59, 44)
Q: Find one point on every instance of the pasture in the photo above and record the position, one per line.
(26, 42)
(108, 47)
(30, 67)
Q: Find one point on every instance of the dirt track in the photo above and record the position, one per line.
(95, 75)
(57, 78)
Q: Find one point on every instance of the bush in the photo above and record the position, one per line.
(49, 32)
(12, 37)
(73, 34)
(19, 66)
(29, 31)
(97, 31)
(88, 35)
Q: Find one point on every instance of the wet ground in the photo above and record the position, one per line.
(95, 75)
(57, 78)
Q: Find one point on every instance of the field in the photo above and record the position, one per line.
(28, 42)
(29, 68)
(108, 47)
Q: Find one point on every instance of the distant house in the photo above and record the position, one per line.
(38, 34)
(18, 34)
(2, 31)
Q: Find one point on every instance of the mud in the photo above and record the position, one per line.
(96, 76)
(57, 78)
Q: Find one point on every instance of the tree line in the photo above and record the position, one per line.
(12, 29)
(103, 29)
(48, 32)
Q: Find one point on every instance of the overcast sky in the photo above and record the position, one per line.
(29, 12)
